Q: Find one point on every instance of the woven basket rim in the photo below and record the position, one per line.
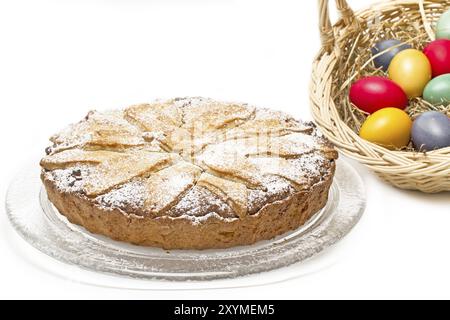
(359, 13)
(434, 163)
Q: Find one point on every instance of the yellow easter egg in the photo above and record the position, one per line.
(388, 127)
(411, 70)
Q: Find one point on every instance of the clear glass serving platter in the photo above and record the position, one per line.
(37, 221)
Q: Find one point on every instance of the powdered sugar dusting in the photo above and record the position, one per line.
(312, 164)
(69, 179)
(200, 202)
(264, 146)
(107, 127)
(290, 145)
(276, 189)
(130, 195)
(193, 102)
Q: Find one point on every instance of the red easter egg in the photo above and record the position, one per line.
(374, 93)
(438, 52)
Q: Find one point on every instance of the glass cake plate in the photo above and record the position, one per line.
(38, 222)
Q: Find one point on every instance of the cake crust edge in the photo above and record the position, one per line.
(212, 232)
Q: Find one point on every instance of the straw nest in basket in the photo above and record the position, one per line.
(346, 57)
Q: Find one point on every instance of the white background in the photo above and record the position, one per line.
(59, 59)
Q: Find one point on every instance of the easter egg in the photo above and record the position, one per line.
(443, 26)
(392, 46)
(437, 91)
(374, 93)
(388, 127)
(438, 53)
(411, 70)
(431, 131)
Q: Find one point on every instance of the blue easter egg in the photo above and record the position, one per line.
(431, 131)
(383, 61)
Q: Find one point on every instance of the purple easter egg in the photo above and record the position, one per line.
(431, 131)
(383, 61)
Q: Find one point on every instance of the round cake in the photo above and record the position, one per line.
(189, 173)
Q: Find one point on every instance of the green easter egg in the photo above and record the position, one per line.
(437, 91)
(443, 26)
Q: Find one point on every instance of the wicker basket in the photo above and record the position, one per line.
(345, 57)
